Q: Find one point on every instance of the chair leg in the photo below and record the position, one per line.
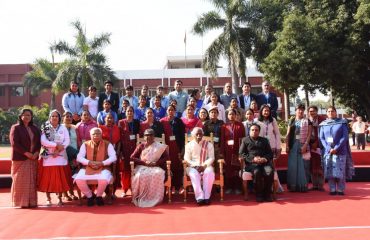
(245, 190)
(222, 193)
(110, 194)
(185, 193)
(169, 195)
(274, 189)
(79, 196)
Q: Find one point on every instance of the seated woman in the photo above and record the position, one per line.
(148, 179)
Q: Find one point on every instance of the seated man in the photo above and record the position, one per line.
(199, 154)
(147, 183)
(257, 154)
(96, 155)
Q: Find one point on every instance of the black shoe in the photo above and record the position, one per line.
(99, 201)
(200, 202)
(207, 201)
(90, 202)
(340, 193)
(332, 193)
(268, 199)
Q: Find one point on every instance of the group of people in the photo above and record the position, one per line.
(96, 138)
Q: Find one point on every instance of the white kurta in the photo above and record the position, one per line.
(105, 174)
(61, 137)
(192, 157)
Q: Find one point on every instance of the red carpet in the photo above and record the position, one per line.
(313, 215)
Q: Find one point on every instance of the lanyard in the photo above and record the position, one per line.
(231, 128)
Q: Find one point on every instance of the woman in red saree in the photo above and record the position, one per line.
(231, 135)
(129, 128)
(174, 130)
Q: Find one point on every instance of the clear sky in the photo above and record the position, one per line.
(144, 32)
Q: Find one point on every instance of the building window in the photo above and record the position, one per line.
(2, 91)
(17, 91)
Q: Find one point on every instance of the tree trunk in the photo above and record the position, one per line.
(307, 99)
(286, 105)
(52, 101)
(234, 79)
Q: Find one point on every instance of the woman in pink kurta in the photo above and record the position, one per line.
(231, 135)
(83, 128)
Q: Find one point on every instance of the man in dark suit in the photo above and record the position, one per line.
(108, 94)
(269, 98)
(246, 97)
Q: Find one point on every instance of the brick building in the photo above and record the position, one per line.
(13, 94)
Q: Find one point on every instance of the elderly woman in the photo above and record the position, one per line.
(83, 128)
(298, 139)
(54, 177)
(129, 128)
(148, 180)
(337, 159)
(151, 123)
(25, 142)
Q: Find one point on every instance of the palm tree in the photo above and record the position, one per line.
(87, 65)
(42, 77)
(234, 42)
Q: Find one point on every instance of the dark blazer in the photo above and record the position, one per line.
(21, 142)
(272, 101)
(114, 98)
(241, 100)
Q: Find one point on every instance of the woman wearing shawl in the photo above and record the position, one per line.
(174, 130)
(337, 158)
(298, 139)
(25, 141)
(54, 176)
(129, 128)
(148, 180)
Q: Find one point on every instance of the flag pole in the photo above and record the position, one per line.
(185, 49)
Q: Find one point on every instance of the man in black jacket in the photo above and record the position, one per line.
(108, 94)
(246, 97)
(256, 152)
